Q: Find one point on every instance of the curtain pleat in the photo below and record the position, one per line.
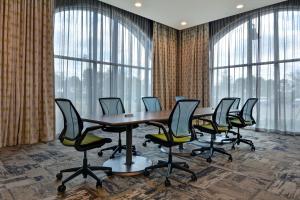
(193, 69)
(180, 64)
(165, 64)
(26, 72)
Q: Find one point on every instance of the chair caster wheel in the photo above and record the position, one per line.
(144, 144)
(134, 153)
(208, 160)
(186, 166)
(233, 147)
(193, 153)
(159, 146)
(98, 184)
(230, 159)
(100, 153)
(194, 178)
(61, 188)
(59, 176)
(146, 173)
(112, 157)
(167, 182)
(252, 148)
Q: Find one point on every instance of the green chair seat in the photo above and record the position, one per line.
(88, 139)
(210, 127)
(238, 121)
(162, 137)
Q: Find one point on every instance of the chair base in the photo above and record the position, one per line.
(117, 148)
(212, 150)
(239, 140)
(170, 165)
(85, 170)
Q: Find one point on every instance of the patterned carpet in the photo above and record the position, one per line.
(271, 172)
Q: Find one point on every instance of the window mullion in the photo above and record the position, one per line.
(114, 58)
(94, 64)
(249, 59)
(276, 72)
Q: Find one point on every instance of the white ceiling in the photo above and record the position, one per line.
(194, 12)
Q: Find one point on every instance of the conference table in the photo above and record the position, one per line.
(130, 164)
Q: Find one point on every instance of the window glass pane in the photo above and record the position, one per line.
(73, 34)
(238, 44)
(220, 85)
(238, 82)
(289, 107)
(104, 41)
(265, 90)
(221, 52)
(263, 51)
(289, 31)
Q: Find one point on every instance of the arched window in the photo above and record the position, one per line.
(258, 55)
(101, 51)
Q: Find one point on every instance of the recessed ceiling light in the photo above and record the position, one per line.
(240, 6)
(183, 23)
(138, 4)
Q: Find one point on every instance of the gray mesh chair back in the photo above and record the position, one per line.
(236, 104)
(73, 124)
(246, 112)
(177, 98)
(180, 121)
(111, 106)
(222, 110)
(152, 104)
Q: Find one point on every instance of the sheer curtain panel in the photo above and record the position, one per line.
(257, 54)
(100, 51)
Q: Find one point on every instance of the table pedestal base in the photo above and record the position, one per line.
(139, 163)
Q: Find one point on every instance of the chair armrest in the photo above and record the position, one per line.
(86, 131)
(209, 121)
(157, 124)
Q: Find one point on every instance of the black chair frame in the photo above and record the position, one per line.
(211, 148)
(119, 147)
(85, 169)
(243, 124)
(170, 164)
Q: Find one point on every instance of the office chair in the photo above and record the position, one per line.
(114, 106)
(180, 130)
(195, 121)
(73, 135)
(234, 107)
(177, 98)
(243, 119)
(217, 125)
(236, 103)
(152, 104)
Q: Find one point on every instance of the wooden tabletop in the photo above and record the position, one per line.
(142, 117)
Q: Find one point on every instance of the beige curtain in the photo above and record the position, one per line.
(26, 72)
(181, 64)
(164, 78)
(193, 68)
